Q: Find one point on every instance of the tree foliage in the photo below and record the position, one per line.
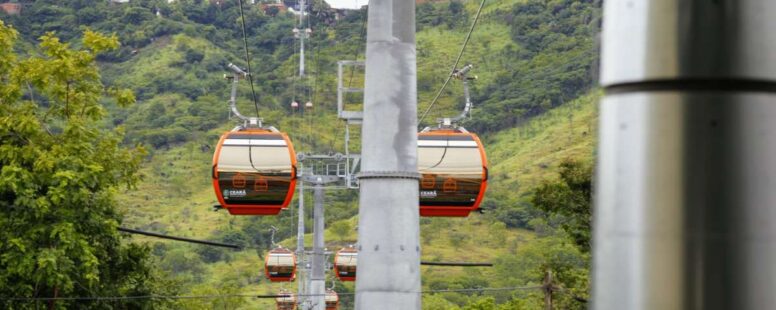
(569, 201)
(58, 178)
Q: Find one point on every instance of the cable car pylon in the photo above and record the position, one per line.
(388, 220)
(313, 293)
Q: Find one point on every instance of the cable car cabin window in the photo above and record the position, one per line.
(452, 172)
(286, 302)
(332, 300)
(254, 171)
(345, 265)
(280, 266)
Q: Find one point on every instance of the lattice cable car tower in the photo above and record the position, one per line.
(321, 171)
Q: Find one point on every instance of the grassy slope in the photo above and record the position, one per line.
(522, 157)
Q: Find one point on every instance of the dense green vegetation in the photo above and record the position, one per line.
(533, 108)
(550, 62)
(58, 179)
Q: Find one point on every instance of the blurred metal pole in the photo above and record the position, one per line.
(389, 247)
(685, 212)
(318, 274)
(300, 255)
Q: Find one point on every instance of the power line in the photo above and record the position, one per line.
(85, 298)
(457, 61)
(88, 298)
(238, 247)
(485, 289)
(456, 264)
(151, 234)
(358, 50)
(248, 59)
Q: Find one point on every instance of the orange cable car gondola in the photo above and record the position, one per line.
(452, 164)
(254, 171)
(345, 264)
(454, 172)
(332, 300)
(285, 301)
(280, 265)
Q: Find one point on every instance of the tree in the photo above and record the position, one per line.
(527, 267)
(341, 229)
(58, 174)
(569, 200)
(437, 302)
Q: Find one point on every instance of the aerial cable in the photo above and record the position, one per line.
(455, 65)
(87, 298)
(358, 50)
(156, 235)
(248, 59)
(456, 264)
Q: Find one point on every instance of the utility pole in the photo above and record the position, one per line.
(547, 287)
(389, 247)
(300, 247)
(685, 214)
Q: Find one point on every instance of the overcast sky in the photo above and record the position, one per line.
(347, 4)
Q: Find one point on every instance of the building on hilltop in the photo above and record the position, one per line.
(273, 9)
(11, 8)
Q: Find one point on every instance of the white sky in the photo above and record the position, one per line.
(347, 4)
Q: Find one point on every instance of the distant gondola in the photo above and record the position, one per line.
(285, 301)
(332, 300)
(254, 171)
(345, 264)
(280, 265)
(454, 172)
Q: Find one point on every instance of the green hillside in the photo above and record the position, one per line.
(176, 198)
(535, 106)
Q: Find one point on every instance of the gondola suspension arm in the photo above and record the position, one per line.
(236, 74)
(461, 74)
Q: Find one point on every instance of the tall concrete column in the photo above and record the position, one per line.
(685, 214)
(388, 271)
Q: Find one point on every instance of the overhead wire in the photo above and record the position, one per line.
(310, 90)
(189, 240)
(248, 58)
(455, 65)
(358, 50)
(88, 298)
(456, 264)
(305, 79)
(239, 247)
